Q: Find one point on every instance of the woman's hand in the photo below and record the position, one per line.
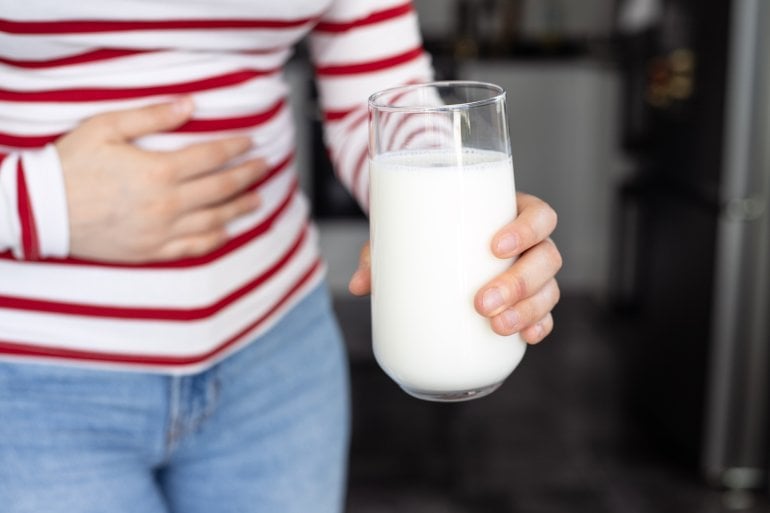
(129, 205)
(520, 299)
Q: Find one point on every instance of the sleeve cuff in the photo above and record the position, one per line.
(48, 197)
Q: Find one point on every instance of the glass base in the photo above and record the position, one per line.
(452, 396)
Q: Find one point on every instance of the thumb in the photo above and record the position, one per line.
(132, 123)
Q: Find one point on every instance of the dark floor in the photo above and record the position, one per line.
(553, 439)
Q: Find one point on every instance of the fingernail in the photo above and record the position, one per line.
(510, 319)
(492, 299)
(507, 244)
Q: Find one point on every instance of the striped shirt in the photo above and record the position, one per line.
(61, 62)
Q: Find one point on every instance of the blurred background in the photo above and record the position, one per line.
(644, 124)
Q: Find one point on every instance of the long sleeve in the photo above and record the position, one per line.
(33, 205)
(360, 47)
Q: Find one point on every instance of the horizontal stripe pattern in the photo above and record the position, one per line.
(64, 63)
(167, 363)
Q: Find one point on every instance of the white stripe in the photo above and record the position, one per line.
(225, 39)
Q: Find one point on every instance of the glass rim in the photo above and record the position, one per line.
(497, 97)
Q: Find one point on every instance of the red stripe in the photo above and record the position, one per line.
(18, 349)
(2, 158)
(91, 26)
(418, 131)
(401, 120)
(167, 314)
(376, 17)
(29, 239)
(27, 141)
(231, 245)
(93, 56)
(336, 115)
(97, 94)
(399, 117)
(213, 125)
(370, 66)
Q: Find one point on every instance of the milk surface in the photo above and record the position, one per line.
(432, 224)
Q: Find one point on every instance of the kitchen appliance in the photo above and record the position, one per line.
(695, 217)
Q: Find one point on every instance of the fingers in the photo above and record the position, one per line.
(202, 158)
(216, 188)
(535, 222)
(538, 331)
(129, 124)
(361, 281)
(214, 218)
(525, 316)
(524, 278)
(192, 246)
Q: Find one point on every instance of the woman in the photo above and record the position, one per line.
(166, 340)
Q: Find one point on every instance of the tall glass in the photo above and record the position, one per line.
(441, 185)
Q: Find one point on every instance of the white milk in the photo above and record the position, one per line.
(431, 227)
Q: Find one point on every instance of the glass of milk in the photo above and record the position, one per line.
(441, 186)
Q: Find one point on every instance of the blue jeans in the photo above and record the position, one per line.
(265, 430)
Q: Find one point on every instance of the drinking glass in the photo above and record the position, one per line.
(441, 185)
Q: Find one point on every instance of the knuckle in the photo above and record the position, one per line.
(528, 234)
(519, 286)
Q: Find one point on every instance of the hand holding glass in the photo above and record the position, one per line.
(441, 185)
